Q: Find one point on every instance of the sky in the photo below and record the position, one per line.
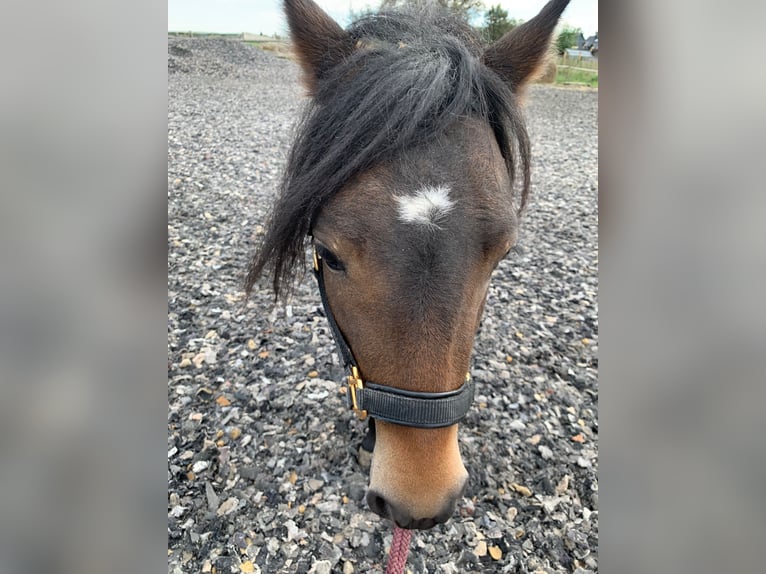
(265, 16)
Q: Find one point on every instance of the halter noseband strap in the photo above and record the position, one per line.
(407, 408)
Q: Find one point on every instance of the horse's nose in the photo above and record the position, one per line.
(402, 517)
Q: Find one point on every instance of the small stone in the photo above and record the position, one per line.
(207, 566)
(247, 567)
(328, 506)
(293, 532)
(516, 424)
(223, 401)
(545, 452)
(348, 568)
(235, 433)
(252, 345)
(289, 550)
(228, 506)
(512, 513)
(521, 489)
(480, 549)
(177, 511)
(563, 485)
(199, 466)
(495, 552)
(198, 359)
(467, 508)
(240, 540)
(550, 503)
(534, 439)
(321, 567)
(578, 438)
(356, 490)
(186, 362)
(212, 497)
(315, 484)
(313, 374)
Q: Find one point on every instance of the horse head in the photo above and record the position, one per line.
(407, 176)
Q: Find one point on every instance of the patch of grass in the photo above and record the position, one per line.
(570, 76)
(280, 48)
(577, 62)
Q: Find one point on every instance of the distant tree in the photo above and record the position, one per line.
(567, 38)
(464, 8)
(496, 23)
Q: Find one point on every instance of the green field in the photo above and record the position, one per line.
(574, 76)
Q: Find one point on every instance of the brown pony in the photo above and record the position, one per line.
(402, 178)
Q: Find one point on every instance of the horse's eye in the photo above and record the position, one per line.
(330, 259)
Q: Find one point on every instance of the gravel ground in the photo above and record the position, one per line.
(263, 474)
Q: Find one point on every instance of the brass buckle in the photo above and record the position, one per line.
(316, 259)
(355, 383)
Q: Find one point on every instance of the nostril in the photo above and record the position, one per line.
(377, 504)
(385, 509)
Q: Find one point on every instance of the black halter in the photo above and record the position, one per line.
(408, 408)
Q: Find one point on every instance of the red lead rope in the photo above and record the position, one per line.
(400, 547)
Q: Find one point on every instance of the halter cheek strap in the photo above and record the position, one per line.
(398, 406)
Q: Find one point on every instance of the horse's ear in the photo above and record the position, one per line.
(519, 54)
(319, 42)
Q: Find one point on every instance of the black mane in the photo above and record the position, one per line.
(410, 77)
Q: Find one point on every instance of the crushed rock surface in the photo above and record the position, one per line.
(263, 473)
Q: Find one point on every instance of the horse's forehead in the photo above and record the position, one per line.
(460, 173)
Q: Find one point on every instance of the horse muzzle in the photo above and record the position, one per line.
(417, 475)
